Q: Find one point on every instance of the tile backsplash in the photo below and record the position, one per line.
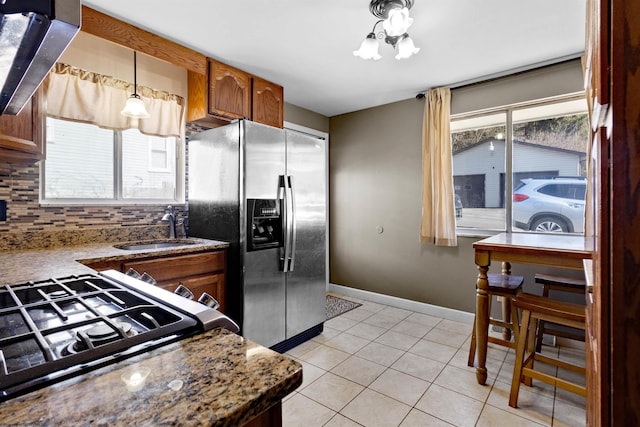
(27, 218)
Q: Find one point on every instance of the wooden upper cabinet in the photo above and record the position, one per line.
(268, 103)
(229, 91)
(222, 95)
(22, 135)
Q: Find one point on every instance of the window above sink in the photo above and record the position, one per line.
(88, 164)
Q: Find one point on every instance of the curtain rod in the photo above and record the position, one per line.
(506, 73)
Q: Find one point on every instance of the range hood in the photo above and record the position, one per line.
(33, 35)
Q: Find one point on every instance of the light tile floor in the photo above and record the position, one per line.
(381, 366)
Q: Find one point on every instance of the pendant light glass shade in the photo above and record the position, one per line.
(406, 48)
(368, 48)
(134, 107)
(398, 22)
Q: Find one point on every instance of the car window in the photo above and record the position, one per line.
(519, 186)
(551, 190)
(581, 191)
(566, 191)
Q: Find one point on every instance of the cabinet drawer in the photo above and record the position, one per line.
(165, 269)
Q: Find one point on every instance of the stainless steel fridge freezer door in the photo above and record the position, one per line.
(306, 283)
(264, 283)
(215, 189)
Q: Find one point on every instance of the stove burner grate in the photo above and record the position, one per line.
(99, 335)
(56, 328)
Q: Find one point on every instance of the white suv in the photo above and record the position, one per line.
(550, 205)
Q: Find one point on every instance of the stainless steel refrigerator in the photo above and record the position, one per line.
(264, 190)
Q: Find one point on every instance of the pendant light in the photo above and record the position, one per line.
(395, 20)
(134, 107)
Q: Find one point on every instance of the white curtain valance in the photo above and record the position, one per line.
(88, 97)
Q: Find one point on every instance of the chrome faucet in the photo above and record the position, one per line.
(171, 218)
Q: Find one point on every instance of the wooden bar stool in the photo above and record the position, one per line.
(535, 308)
(506, 286)
(555, 283)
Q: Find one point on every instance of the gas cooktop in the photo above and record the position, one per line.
(57, 328)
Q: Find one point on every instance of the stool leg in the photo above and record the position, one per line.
(530, 336)
(506, 315)
(545, 293)
(515, 322)
(517, 368)
(472, 347)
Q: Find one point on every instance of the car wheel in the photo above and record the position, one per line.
(549, 225)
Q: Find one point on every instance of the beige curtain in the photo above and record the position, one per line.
(84, 96)
(438, 213)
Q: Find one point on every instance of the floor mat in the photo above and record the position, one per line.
(337, 306)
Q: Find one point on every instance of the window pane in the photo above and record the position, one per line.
(79, 162)
(478, 146)
(149, 166)
(549, 167)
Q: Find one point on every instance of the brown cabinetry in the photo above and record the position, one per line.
(227, 93)
(201, 272)
(611, 64)
(22, 135)
(268, 101)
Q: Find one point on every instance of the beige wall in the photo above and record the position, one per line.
(375, 168)
(304, 117)
(98, 55)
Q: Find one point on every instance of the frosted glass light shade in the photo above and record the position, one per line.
(135, 108)
(406, 48)
(398, 22)
(368, 48)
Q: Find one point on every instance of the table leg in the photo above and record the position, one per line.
(506, 267)
(482, 323)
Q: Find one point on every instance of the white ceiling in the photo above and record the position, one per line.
(306, 46)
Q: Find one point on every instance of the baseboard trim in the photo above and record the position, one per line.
(419, 307)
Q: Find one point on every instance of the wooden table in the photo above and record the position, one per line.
(554, 250)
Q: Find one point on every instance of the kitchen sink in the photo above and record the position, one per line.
(158, 244)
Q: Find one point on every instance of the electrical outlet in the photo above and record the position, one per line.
(3, 210)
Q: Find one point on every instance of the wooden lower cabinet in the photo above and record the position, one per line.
(201, 272)
(272, 417)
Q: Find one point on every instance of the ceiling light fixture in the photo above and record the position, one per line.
(134, 107)
(394, 16)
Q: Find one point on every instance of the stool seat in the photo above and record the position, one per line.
(566, 284)
(547, 307)
(504, 283)
(506, 286)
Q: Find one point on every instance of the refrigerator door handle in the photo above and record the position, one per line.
(284, 215)
(292, 231)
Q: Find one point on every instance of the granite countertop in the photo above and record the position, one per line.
(225, 381)
(61, 261)
(215, 378)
